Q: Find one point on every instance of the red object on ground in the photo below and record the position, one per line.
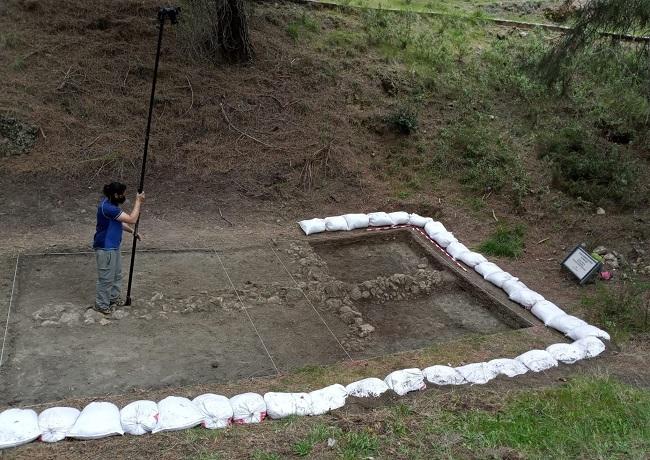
(605, 276)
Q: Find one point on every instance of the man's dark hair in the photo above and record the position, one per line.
(114, 187)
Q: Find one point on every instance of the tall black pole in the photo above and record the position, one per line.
(162, 14)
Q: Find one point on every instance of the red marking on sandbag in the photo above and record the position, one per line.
(418, 229)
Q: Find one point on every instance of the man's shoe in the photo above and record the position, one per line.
(103, 311)
(116, 303)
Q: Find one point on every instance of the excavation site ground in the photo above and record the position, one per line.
(214, 315)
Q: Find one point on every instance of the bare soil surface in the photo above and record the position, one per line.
(223, 315)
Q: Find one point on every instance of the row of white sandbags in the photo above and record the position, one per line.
(102, 419)
(355, 221)
(549, 313)
(407, 380)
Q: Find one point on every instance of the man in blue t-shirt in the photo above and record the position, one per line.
(111, 220)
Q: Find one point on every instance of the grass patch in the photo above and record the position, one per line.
(317, 434)
(483, 157)
(9, 40)
(590, 170)
(304, 24)
(205, 455)
(359, 444)
(199, 434)
(303, 448)
(623, 311)
(261, 455)
(312, 371)
(505, 242)
(594, 418)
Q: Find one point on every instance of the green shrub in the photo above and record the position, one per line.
(594, 171)
(404, 119)
(505, 242)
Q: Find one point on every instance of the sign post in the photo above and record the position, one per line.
(581, 264)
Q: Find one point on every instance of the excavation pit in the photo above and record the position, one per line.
(213, 316)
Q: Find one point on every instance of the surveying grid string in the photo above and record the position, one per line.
(246, 311)
(11, 298)
(312, 305)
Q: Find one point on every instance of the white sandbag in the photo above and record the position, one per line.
(216, 410)
(97, 420)
(379, 219)
(419, 221)
(591, 345)
(355, 221)
(327, 399)
(405, 380)
(498, 278)
(546, 311)
(139, 417)
(567, 353)
(565, 323)
(310, 226)
(370, 387)
(444, 239)
(443, 375)
(471, 259)
(18, 427)
(525, 297)
(537, 360)
(279, 405)
(508, 367)
(399, 217)
(477, 373)
(432, 228)
(455, 249)
(513, 285)
(177, 413)
(248, 408)
(55, 422)
(302, 402)
(487, 268)
(336, 224)
(587, 330)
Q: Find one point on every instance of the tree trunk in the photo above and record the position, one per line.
(233, 31)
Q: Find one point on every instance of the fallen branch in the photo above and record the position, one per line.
(93, 142)
(65, 79)
(222, 216)
(541, 241)
(495, 216)
(282, 106)
(319, 160)
(126, 76)
(191, 89)
(223, 111)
